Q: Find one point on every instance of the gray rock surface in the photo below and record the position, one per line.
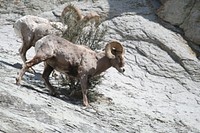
(29, 6)
(184, 14)
(159, 91)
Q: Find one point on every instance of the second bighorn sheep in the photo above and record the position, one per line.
(77, 22)
(32, 28)
(78, 16)
(74, 60)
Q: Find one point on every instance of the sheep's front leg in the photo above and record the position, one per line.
(47, 71)
(84, 85)
(22, 51)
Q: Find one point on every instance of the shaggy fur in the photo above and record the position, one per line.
(74, 60)
(30, 29)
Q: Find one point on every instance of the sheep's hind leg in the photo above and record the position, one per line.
(47, 71)
(84, 85)
(26, 66)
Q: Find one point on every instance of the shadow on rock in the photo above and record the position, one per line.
(16, 65)
(68, 95)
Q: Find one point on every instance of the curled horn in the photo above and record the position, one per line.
(76, 12)
(92, 16)
(112, 48)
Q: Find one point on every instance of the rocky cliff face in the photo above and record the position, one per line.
(184, 14)
(159, 91)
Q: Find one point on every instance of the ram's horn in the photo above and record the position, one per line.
(112, 48)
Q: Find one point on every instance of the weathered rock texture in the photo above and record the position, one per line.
(185, 14)
(29, 6)
(159, 91)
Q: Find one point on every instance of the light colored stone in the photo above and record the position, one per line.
(159, 91)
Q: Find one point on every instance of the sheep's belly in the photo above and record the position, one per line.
(64, 67)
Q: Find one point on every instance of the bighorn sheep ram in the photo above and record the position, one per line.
(78, 23)
(77, 61)
(32, 28)
(77, 15)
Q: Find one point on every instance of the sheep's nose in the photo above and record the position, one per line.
(122, 70)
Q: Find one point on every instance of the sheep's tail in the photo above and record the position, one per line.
(17, 28)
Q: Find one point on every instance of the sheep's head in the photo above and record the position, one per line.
(115, 52)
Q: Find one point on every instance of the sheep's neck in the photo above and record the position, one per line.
(103, 64)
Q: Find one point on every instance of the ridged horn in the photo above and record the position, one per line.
(112, 48)
(76, 12)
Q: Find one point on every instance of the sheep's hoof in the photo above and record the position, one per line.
(86, 104)
(55, 94)
(17, 81)
(31, 70)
